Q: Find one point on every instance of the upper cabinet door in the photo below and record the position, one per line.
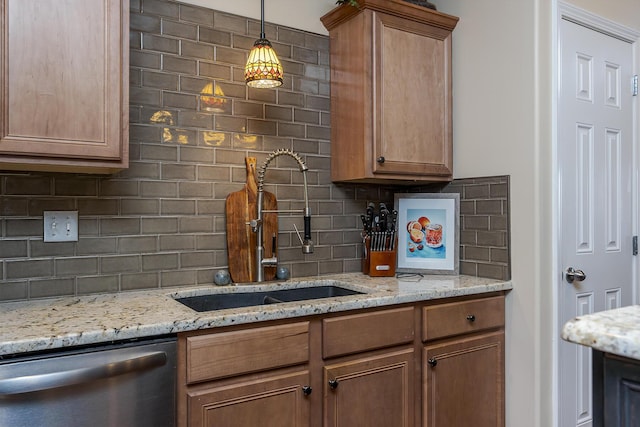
(412, 117)
(64, 85)
(391, 87)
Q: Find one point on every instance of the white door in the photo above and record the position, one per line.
(595, 159)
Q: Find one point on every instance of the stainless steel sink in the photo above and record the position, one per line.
(221, 301)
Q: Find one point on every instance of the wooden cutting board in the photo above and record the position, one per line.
(241, 207)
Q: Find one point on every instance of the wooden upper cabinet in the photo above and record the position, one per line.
(391, 85)
(65, 85)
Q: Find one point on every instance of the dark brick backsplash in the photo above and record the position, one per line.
(161, 222)
(484, 226)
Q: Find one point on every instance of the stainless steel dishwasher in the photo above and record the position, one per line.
(124, 385)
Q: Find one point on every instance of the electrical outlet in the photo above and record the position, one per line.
(61, 226)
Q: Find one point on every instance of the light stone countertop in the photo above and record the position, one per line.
(612, 331)
(72, 321)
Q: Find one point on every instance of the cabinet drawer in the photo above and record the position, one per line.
(456, 318)
(239, 352)
(367, 331)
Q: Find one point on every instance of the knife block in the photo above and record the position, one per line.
(379, 263)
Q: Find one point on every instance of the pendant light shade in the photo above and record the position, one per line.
(263, 69)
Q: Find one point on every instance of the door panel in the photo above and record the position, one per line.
(276, 401)
(412, 130)
(468, 370)
(595, 159)
(375, 391)
(64, 92)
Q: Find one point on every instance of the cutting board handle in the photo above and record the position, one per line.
(251, 164)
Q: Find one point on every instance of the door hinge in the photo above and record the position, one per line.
(634, 244)
(634, 85)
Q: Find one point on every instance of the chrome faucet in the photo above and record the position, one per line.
(256, 224)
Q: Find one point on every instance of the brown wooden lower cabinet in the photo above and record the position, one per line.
(464, 382)
(374, 391)
(268, 402)
(616, 390)
(398, 370)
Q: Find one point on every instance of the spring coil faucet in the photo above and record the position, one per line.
(256, 224)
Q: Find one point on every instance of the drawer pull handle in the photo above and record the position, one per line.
(333, 384)
(432, 362)
(306, 390)
(380, 159)
(471, 318)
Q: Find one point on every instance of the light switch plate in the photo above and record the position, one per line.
(60, 226)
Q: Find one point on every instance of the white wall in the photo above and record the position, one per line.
(502, 88)
(300, 14)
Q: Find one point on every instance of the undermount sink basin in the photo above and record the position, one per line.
(223, 301)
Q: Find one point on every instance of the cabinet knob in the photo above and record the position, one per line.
(333, 384)
(380, 159)
(471, 318)
(306, 390)
(432, 362)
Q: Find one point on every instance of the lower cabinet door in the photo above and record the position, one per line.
(621, 391)
(277, 401)
(375, 391)
(463, 382)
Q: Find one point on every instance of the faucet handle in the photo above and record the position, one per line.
(298, 233)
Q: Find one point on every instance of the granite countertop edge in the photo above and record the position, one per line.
(612, 331)
(38, 325)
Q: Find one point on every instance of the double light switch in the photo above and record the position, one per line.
(61, 226)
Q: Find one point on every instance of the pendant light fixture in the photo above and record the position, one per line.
(263, 69)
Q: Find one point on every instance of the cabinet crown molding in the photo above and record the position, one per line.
(399, 8)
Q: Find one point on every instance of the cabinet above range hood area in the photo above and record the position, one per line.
(391, 103)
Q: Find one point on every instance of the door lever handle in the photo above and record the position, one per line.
(573, 275)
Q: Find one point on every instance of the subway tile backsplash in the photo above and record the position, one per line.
(161, 223)
(484, 226)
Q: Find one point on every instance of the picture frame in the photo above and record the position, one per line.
(428, 233)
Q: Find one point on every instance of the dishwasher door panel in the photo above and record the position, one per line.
(129, 385)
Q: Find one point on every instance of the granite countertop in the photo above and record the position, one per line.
(72, 321)
(614, 331)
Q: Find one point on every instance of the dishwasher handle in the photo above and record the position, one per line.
(57, 379)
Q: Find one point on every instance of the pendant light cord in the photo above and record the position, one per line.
(262, 34)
